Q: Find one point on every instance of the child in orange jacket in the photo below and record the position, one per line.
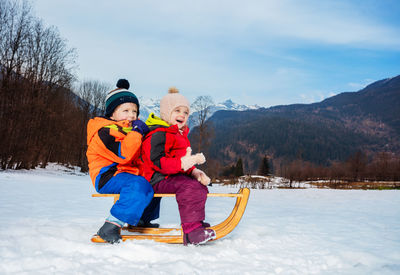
(114, 144)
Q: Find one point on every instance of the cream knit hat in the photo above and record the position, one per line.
(170, 101)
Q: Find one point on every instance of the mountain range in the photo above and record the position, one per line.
(148, 106)
(330, 130)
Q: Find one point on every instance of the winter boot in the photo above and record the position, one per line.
(199, 236)
(110, 232)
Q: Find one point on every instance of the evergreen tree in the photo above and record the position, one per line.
(239, 168)
(264, 168)
(228, 171)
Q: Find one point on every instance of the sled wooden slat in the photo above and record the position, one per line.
(159, 234)
(158, 195)
(173, 239)
(155, 231)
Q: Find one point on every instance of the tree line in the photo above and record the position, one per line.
(359, 167)
(357, 170)
(43, 119)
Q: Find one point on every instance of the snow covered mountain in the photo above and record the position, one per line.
(232, 106)
(148, 106)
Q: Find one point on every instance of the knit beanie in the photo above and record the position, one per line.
(170, 101)
(120, 96)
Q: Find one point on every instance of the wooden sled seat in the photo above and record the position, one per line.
(163, 234)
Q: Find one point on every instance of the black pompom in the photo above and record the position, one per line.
(123, 84)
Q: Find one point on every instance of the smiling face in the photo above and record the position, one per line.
(179, 116)
(125, 111)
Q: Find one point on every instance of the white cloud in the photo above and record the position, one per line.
(360, 85)
(310, 97)
(331, 94)
(252, 22)
(199, 45)
(247, 22)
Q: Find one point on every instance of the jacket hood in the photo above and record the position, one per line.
(95, 124)
(154, 120)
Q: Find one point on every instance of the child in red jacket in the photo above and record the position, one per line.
(114, 143)
(169, 166)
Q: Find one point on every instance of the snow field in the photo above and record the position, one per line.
(48, 217)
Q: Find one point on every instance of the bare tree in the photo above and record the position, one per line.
(15, 23)
(356, 165)
(36, 70)
(201, 112)
(92, 94)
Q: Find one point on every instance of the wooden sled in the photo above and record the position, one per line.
(175, 235)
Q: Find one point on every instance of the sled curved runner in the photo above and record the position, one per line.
(165, 235)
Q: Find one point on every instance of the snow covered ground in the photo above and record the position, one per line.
(48, 216)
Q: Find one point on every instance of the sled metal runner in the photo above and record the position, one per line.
(175, 235)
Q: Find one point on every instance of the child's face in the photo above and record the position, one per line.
(179, 116)
(125, 111)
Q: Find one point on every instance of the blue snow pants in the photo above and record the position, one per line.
(135, 194)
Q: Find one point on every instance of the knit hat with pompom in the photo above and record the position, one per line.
(170, 101)
(119, 96)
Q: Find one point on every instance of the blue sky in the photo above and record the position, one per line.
(267, 52)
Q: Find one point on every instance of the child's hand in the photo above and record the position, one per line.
(189, 160)
(140, 127)
(201, 176)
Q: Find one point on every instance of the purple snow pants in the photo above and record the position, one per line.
(191, 196)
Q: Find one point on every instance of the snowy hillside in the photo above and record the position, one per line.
(148, 106)
(48, 217)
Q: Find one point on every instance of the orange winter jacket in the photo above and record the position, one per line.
(112, 148)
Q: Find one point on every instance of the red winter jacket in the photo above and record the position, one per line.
(162, 150)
